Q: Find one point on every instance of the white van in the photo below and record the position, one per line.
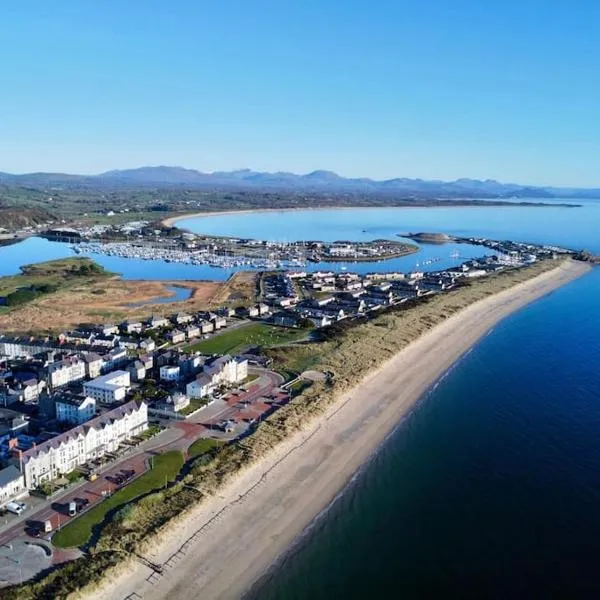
(16, 508)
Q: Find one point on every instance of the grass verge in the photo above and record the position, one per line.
(202, 446)
(78, 532)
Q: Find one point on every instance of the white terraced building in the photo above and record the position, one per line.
(66, 371)
(63, 453)
(111, 387)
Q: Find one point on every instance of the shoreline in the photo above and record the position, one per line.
(224, 545)
(172, 221)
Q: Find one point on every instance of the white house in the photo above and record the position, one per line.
(111, 387)
(176, 336)
(132, 326)
(75, 409)
(63, 453)
(66, 371)
(192, 331)
(227, 370)
(157, 322)
(93, 364)
(137, 370)
(114, 359)
(170, 373)
(218, 321)
(12, 484)
(148, 344)
(206, 326)
(201, 387)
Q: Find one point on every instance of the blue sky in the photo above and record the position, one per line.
(430, 88)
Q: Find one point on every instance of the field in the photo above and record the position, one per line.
(61, 274)
(255, 334)
(107, 298)
(78, 532)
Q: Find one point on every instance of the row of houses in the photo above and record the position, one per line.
(63, 453)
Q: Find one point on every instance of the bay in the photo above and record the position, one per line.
(491, 487)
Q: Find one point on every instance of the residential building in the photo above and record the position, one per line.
(218, 321)
(137, 370)
(157, 322)
(169, 373)
(114, 359)
(176, 336)
(148, 344)
(132, 326)
(93, 364)
(200, 387)
(147, 360)
(12, 485)
(74, 408)
(12, 422)
(66, 371)
(263, 309)
(108, 329)
(192, 331)
(182, 318)
(108, 388)
(227, 370)
(65, 452)
(206, 327)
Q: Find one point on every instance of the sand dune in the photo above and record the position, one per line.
(225, 544)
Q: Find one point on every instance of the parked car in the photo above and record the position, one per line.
(35, 532)
(16, 508)
(72, 508)
(128, 473)
(81, 503)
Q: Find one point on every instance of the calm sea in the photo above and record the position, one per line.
(491, 488)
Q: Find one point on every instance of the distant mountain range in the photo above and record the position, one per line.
(315, 182)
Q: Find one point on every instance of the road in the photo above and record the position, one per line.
(178, 436)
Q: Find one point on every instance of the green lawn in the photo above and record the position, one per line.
(194, 405)
(202, 446)
(78, 531)
(255, 334)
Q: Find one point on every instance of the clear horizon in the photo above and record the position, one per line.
(425, 90)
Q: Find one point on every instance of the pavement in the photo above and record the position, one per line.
(20, 561)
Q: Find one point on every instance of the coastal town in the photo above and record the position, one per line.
(84, 412)
(156, 241)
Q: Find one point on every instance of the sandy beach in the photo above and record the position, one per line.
(221, 547)
(172, 221)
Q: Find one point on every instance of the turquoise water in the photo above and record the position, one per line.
(559, 225)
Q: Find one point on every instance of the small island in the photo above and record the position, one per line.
(424, 237)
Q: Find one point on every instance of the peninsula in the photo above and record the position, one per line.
(329, 377)
(383, 369)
